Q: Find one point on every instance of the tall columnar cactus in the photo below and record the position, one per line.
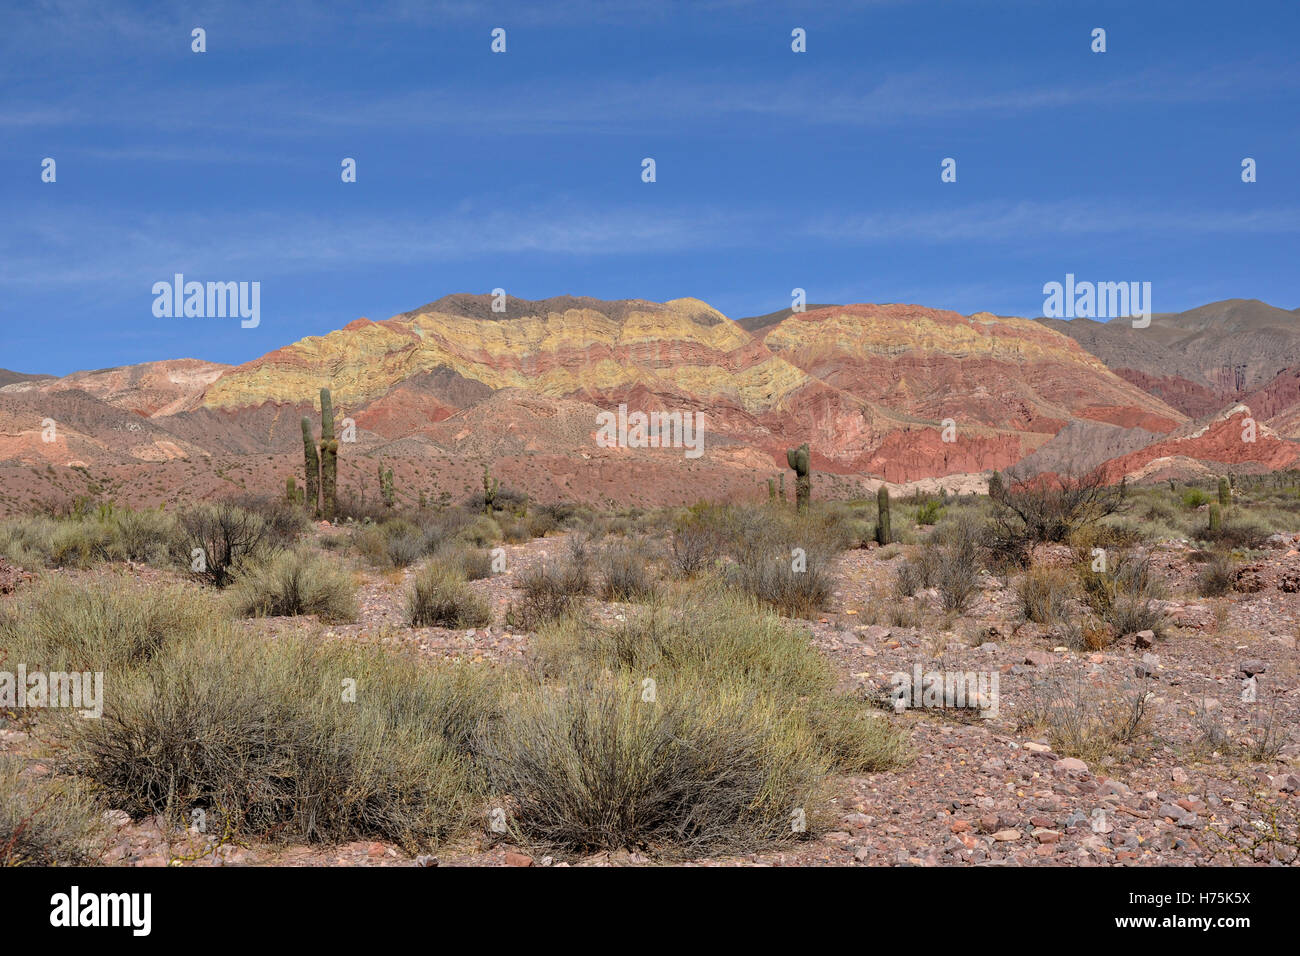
(1123, 486)
(1216, 520)
(291, 490)
(329, 457)
(798, 460)
(311, 464)
(883, 531)
(782, 477)
(490, 486)
(386, 486)
(771, 490)
(1225, 492)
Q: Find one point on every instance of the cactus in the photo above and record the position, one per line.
(490, 486)
(311, 464)
(883, 535)
(291, 490)
(1123, 486)
(329, 457)
(386, 486)
(798, 460)
(771, 490)
(1216, 519)
(1225, 493)
(424, 501)
(782, 477)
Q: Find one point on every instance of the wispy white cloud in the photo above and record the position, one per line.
(87, 246)
(1029, 220)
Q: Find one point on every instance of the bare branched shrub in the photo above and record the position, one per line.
(1217, 576)
(697, 545)
(217, 539)
(1048, 509)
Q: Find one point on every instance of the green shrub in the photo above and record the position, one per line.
(102, 625)
(294, 583)
(701, 769)
(1044, 595)
(627, 574)
(47, 822)
(268, 739)
(480, 532)
(929, 512)
(727, 639)
(439, 597)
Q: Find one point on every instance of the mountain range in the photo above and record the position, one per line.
(903, 394)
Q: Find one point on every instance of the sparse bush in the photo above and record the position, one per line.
(147, 536)
(1087, 722)
(909, 578)
(474, 563)
(293, 583)
(1240, 533)
(540, 522)
(1124, 595)
(774, 579)
(949, 559)
(1216, 577)
(285, 520)
(439, 597)
(696, 545)
(550, 591)
(403, 550)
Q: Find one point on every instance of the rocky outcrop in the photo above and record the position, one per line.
(1232, 438)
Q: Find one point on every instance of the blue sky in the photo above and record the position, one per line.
(523, 170)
